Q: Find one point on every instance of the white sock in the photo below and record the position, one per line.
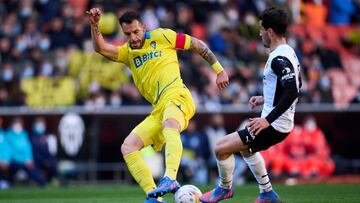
(256, 164)
(226, 170)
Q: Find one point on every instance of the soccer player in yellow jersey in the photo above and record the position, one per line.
(152, 58)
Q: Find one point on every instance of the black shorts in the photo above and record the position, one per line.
(265, 139)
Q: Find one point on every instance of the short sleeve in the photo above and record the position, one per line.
(123, 53)
(177, 40)
(285, 72)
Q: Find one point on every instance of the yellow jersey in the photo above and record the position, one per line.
(155, 67)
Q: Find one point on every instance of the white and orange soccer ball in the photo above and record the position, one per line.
(187, 194)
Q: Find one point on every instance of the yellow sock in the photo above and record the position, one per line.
(140, 171)
(173, 151)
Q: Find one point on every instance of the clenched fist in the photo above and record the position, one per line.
(94, 15)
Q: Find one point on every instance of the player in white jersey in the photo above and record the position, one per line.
(281, 84)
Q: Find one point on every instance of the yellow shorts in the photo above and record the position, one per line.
(182, 109)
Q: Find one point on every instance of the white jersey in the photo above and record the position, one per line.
(281, 84)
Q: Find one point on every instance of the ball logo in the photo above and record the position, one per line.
(71, 130)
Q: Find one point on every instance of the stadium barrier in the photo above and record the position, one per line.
(96, 154)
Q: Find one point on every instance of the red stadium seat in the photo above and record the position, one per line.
(332, 37)
(342, 88)
(298, 30)
(316, 34)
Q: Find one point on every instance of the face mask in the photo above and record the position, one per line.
(8, 75)
(39, 128)
(115, 101)
(233, 14)
(88, 46)
(21, 45)
(250, 19)
(61, 62)
(25, 12)
(94, 87)
(310, 125)
(325, 83)
(47, 69)
(28, 72)
(17, 127)
(44, 44)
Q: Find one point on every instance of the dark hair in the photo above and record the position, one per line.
(276, 19)
(129, 16)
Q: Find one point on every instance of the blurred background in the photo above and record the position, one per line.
(65, 110)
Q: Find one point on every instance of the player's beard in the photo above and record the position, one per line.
(141, 43)
(266, 40)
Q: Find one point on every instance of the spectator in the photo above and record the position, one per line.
(307, 152)
(315, 13)
(21, 152)
(39, 31)
(220, 42)
(5, 157)
(196, 150)
(215, 130)
(43, 158)
(341, 11)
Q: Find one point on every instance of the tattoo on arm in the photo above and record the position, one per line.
(203, 50)
(96, 30)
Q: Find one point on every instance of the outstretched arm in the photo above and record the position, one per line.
(108, 50)
(203, 50)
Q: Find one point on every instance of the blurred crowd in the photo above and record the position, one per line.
(27, 154)
(46, 50)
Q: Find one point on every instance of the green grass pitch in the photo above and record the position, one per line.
(319, 193)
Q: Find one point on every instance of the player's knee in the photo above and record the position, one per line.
(131, 144)
(171, 123)
(246, 153)
(220, 152)
(127, 148)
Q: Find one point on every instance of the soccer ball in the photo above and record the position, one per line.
(187, 194)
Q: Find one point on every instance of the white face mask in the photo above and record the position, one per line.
(25, 12)
(250, 19)
(8, 75)
(310, 125)
(94, 87)
(44, 44)
(115, 101)
(233, 14)
(47, 69)
(28, 72)
(17, 127)
(39, 128)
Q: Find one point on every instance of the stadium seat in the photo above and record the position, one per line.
(332, 37)
(343, 89)
(298, 30)
(316, 34)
